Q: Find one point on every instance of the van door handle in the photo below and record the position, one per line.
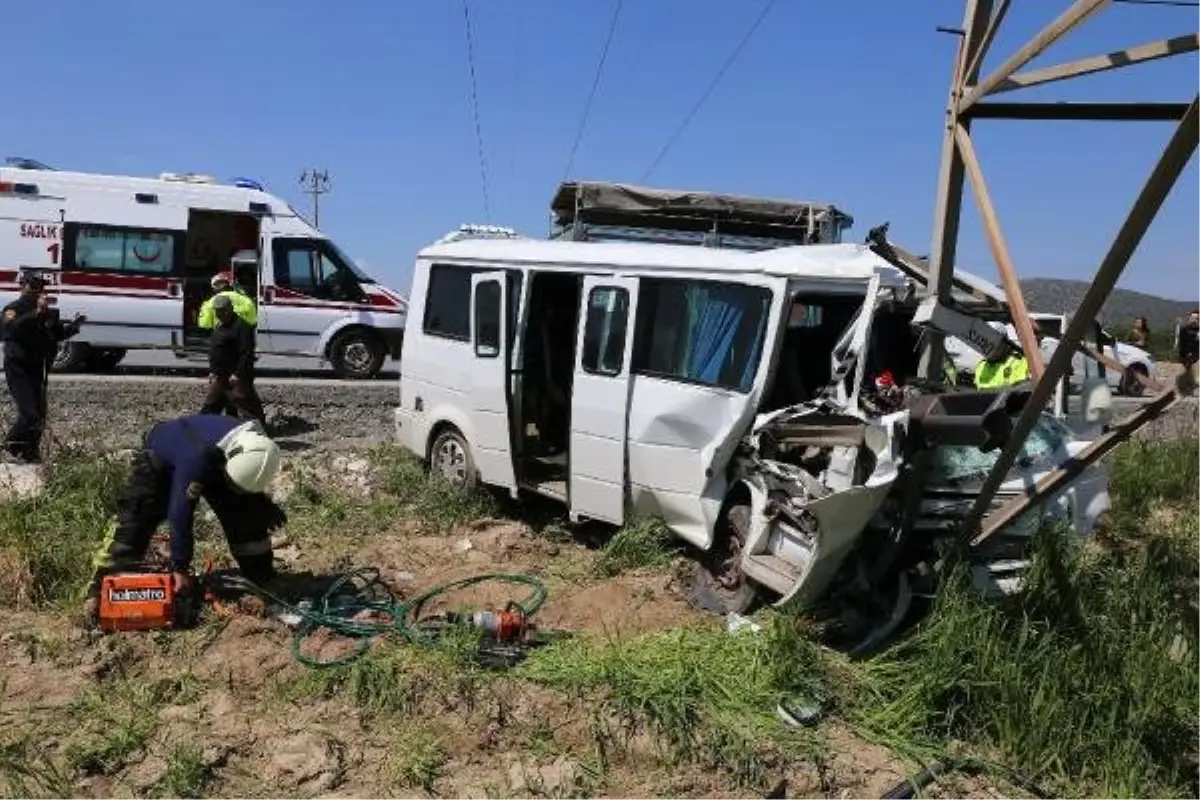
(268, 294)
(174, 289)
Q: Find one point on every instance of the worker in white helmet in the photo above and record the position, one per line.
(227, 462)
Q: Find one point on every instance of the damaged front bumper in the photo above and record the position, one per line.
(826, 482)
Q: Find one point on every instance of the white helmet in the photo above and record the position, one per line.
(251, 458)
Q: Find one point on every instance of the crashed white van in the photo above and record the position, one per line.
(753, 400)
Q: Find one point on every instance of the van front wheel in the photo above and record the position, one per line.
(357, 353)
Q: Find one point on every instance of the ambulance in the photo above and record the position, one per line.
(137, 256)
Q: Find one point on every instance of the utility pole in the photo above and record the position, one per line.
(315, 183)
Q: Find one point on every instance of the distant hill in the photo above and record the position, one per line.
(1054, 295)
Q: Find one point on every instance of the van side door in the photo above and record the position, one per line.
(489, 401)
(600, 399)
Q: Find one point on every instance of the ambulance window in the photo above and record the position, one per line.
(109, 249)
(316, 268)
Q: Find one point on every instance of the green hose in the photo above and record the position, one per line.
(392, 616)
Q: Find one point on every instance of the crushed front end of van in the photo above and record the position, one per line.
(845, 508)
(844, 503)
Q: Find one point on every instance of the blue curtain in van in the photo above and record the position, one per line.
(713, 320)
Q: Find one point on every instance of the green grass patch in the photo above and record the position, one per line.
(1087, 681)
(1146, 476)
(425, 496)
(55, 534)
(26, 771)
(643, 544)
(187, 774)
(705, 696)
(118, 718)
(418, 758)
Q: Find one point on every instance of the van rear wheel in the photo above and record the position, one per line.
(357, 353)
(450, 457)
(71, 357)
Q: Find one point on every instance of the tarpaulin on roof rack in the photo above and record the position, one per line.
(638, 206)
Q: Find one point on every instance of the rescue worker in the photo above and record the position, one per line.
(223, 285)
(231, 364)
(229, 464)
(1187, 346)
(1006, 365)
(31, 329)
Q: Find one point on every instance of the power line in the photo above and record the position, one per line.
(487, 205)
(587, 107)
(737, 51)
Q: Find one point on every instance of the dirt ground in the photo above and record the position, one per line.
(225, 710)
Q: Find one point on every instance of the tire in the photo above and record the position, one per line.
(357, 353)
(718, 583)
(1130, 385)
(450, 457)
(71, 357)
(105, 360)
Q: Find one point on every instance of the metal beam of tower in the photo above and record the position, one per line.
(959, 163)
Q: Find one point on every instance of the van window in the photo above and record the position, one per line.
(448, 302)
(129, 250)
(701, 331)
(487, 319)
(316, 268)
(604, 330)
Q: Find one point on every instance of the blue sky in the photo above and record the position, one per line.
(834, 101)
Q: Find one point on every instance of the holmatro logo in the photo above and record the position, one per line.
(136, 595)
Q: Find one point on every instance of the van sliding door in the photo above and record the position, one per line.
(600, 398)
(491, 445)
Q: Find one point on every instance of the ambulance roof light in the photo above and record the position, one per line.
(247, 183)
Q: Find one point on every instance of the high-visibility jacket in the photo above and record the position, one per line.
(1010, 371)
(243, 306)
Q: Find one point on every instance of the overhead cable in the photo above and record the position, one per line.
(587, 107)
(487, 205)
(733, 56)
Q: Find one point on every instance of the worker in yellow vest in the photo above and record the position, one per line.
(243, 306)
(1005, 366)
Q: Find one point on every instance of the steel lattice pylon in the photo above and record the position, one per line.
(968, 101)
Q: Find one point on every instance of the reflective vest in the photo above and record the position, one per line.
(242, 306)
(1010, 371)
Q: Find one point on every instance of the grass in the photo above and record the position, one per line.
(704, 695)
(118, 719)
(642, 544)
(54, 535)
(418, 758)
(1087, 682)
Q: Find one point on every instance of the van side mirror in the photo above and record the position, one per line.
(1096, 401)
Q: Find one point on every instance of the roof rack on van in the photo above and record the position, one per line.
(589, 211)
(468, 231)
(187, 177)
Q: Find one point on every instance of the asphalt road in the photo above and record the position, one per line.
(164, 366)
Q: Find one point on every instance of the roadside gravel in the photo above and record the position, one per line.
(335, 415)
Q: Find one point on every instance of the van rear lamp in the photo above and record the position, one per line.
(260, 208)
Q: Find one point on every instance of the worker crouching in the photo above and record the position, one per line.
(229, 464)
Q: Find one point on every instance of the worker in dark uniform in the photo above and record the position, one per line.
(231, 364)
(31, 330)
(1188, 341)
(228, 463)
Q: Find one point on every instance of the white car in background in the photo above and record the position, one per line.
(1135, 360)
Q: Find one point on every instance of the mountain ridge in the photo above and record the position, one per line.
(1062, 296)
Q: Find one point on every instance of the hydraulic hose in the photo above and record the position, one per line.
(336, 609)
